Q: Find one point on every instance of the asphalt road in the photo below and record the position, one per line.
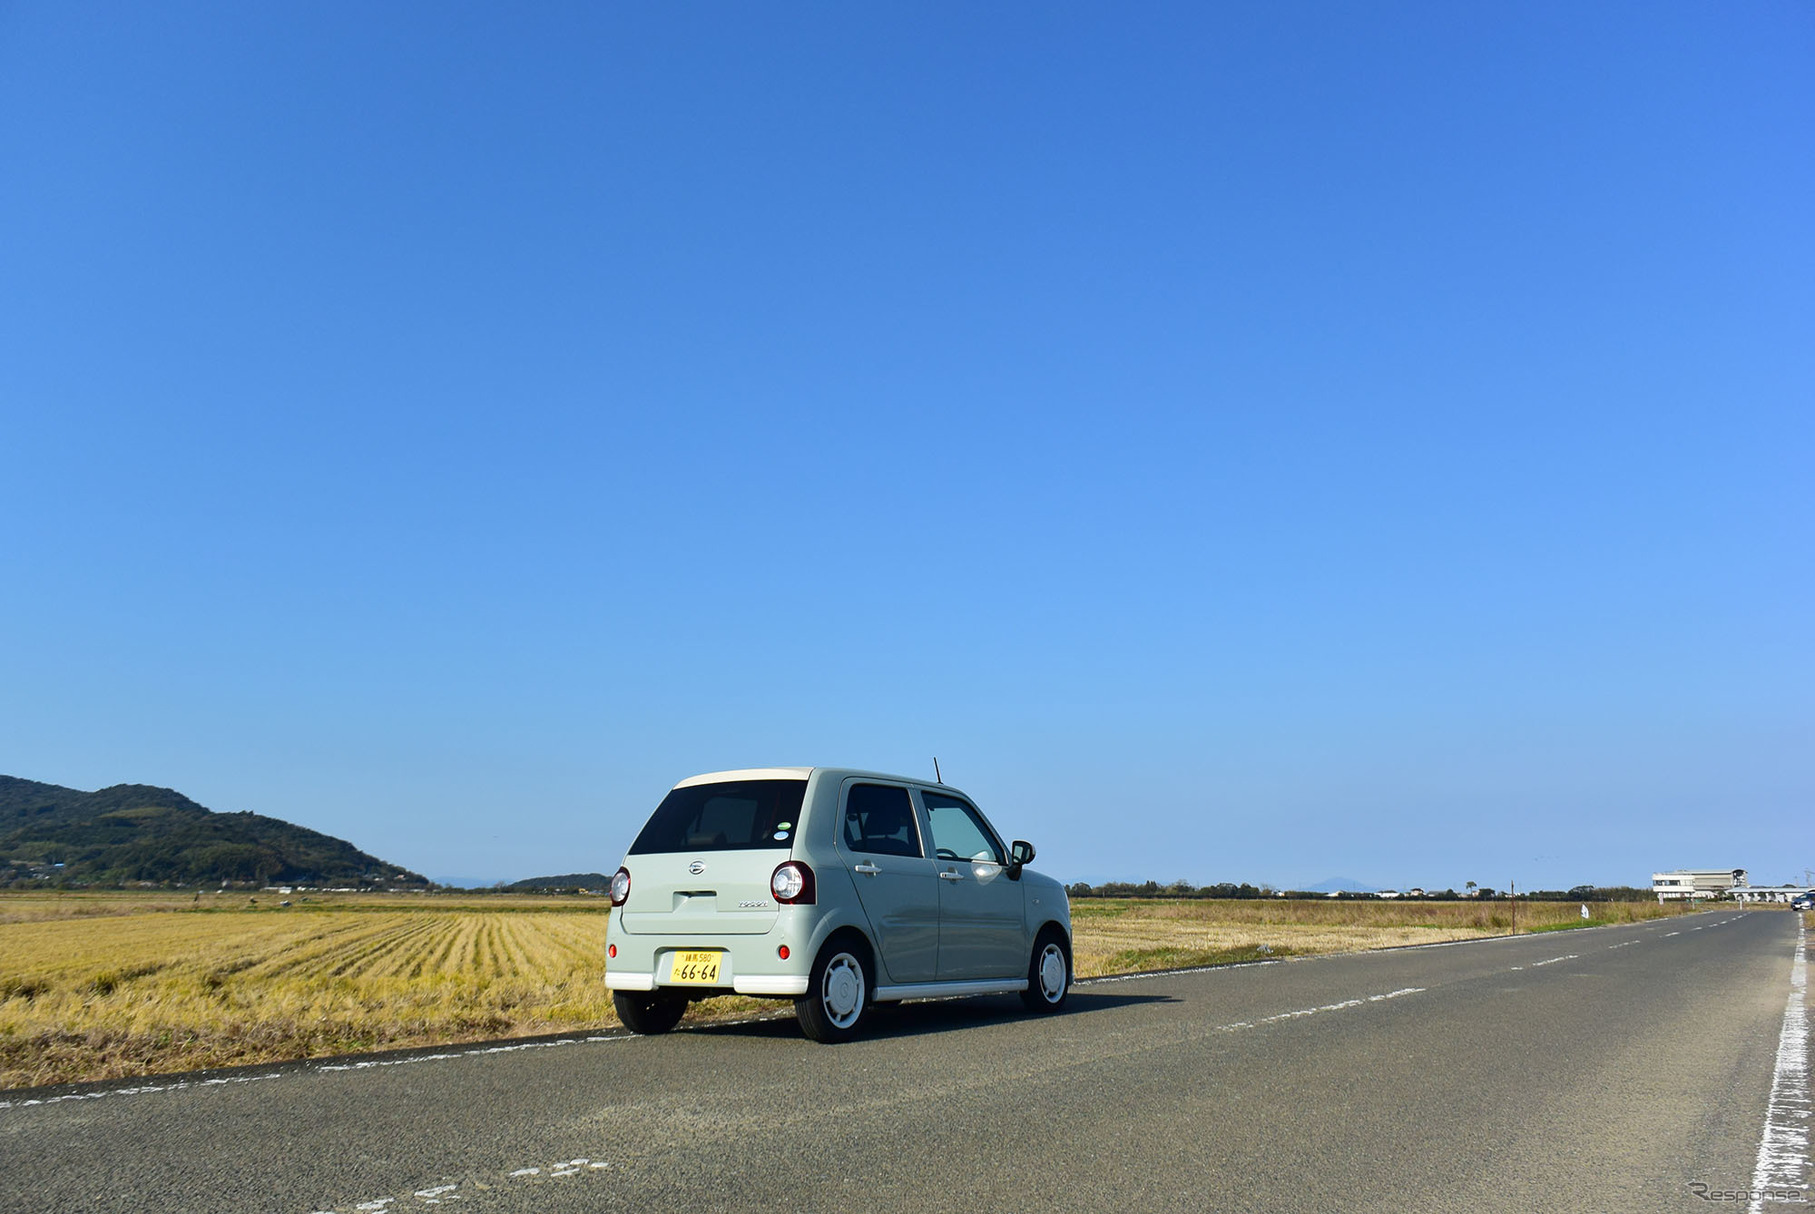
(1599, 1070)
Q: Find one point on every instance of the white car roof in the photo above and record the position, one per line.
(747, 773)
(794, 773)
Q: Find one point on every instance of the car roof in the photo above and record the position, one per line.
(799, 773)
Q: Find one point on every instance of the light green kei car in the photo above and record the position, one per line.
(835, 888)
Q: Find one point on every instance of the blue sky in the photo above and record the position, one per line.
(1244, 442)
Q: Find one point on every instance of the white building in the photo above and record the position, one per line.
(1770, 893)
(1693, 883)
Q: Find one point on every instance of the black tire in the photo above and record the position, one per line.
(838, 992)
(1051, 964)
(648, 1014)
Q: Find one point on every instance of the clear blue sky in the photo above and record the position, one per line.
(1245, 441)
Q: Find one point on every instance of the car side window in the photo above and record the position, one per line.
(959, 831)
(880, 820)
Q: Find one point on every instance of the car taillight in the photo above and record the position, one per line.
(792, 883)
(620, 887)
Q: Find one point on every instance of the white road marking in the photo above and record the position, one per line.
(441, 1194)
(1668, 934)
(1195, 969)
(1783, 1151)
(303, 1067)
(1554, 960)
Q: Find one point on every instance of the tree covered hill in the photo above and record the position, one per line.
(134, 832)
(530, 885)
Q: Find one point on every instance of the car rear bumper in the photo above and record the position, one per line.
(789, 985)
(792, 985)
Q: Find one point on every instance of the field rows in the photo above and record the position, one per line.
(121, 995)
(105, 987)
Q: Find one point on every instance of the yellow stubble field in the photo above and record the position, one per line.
(107, 985)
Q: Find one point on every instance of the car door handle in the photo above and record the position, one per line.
(870, 869)
(949, 875)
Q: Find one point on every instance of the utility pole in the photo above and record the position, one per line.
(1512, 888)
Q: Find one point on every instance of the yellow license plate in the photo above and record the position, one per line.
(696, 968)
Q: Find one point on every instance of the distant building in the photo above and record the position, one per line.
(1689, 883)
(1770, 893)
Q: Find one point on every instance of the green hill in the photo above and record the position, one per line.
(134, 832)
(593, 881)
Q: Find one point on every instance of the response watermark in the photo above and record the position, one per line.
(1708, 1192)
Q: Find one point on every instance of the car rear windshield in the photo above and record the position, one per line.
(724, 817)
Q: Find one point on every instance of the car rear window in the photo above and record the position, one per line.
(724, 817)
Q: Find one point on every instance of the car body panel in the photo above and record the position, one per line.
(898, 892)
(931, 935)
(704, 893)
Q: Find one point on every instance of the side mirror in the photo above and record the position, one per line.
(1020, 855)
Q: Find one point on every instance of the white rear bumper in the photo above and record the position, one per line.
(755, 984)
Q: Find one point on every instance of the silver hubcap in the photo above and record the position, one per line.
(841, 992)
(1052, 973)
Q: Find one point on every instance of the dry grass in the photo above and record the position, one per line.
(111, 989)
(99, 986)
(1112, 936)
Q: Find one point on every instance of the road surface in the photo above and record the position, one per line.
(1598, 1070)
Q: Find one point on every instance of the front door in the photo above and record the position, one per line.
(879, 840)
(982, 932)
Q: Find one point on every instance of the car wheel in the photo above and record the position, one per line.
(648, 1014)
(1049, 973)
(838, 992)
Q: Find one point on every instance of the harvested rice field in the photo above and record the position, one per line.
(109, 985)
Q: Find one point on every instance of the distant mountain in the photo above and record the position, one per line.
(1344, 885)
(134, 832)
(565, 881)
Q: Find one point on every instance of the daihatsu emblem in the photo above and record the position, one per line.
(697, 867)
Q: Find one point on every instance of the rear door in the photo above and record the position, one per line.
(982, 923)
(879, 841)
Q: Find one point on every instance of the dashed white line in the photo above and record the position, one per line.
(442, 1194)
(1783, 1150)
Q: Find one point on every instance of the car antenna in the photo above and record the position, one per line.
(936, 776)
